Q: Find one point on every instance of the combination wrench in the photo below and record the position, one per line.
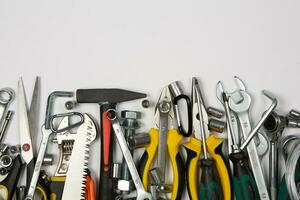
(261, 141)
(241, 108)
(140, 190)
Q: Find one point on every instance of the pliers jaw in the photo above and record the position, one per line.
(164, 106)
(196, 109)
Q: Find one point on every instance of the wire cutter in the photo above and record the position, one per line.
(27, 123)
(194, 150)
(164, 137)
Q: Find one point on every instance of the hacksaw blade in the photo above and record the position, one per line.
(75, 184)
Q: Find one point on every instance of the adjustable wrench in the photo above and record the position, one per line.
(141, 192)
(241, 107)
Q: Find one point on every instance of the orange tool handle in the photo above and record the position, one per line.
(90, 193)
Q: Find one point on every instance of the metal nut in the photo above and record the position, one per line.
(125, 185)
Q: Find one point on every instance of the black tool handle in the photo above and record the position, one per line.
(10, 182)
(106, 183)
(244, 185)
(30, 169)
(209, 180)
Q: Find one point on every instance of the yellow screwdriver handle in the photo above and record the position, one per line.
(148, 157)
(174, 139)
(193, 148)
(212, 143)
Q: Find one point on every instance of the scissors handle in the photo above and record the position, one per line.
(9, 184)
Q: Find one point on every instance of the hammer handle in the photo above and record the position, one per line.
(106, 185)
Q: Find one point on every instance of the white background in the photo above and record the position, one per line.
(144, 45)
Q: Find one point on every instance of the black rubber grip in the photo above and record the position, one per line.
(106, 95)
(190, 155)
(29, 173)
(243, 180)
(142, 164)
(10, 182)
(56, 189)
(181, 176)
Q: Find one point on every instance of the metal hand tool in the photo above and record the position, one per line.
(107, 99)
(140, 190)
(215, 182)
(261, 141)
(75, 184)
(65, 139)
(24, 126)
(130, 124)
(6, 97)
(46, 131)
(232, 124)
(27, 123)
(274, 126)
(241, 107)
(7, 119)
(165, 140)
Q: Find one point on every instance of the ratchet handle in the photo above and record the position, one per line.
(9, 184)
(244, 185)
(148, 157)
(106, 184)
(193, 151)
(173, 141)
(213, 147)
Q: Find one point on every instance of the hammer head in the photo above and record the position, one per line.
(107, 95)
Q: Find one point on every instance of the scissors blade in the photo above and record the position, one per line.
(33, 114)
(23, 124)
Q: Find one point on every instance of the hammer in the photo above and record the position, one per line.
(107, 99)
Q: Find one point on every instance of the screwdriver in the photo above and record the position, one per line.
(244, 185)
(209, 179)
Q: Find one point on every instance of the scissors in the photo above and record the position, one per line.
(27, 124)
(165, 138)
(194, 150)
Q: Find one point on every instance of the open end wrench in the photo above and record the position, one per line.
(261, 141)
(141, 192)
(241, 108)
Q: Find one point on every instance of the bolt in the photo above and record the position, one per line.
(130, 124)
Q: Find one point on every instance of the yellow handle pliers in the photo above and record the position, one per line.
(194, 151)
(164, 139)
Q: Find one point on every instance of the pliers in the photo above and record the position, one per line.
(194, 150)
(165, 138)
